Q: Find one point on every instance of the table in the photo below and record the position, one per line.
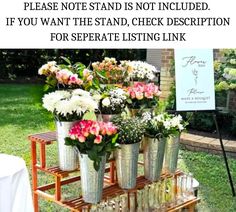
(15, 191)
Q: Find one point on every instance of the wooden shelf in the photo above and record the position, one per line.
(110, 190)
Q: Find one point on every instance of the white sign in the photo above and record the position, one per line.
(194, 79)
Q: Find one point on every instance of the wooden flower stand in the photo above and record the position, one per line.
(76, 204)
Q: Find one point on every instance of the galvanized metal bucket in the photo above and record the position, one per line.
(127, 164)
(91, 180)
(154, 150)
(171, 154)
(68, 158)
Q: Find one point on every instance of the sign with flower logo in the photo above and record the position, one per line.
(194, 74)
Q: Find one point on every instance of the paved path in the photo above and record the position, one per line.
(207, 144)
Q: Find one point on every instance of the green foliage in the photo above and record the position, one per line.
(130, 130)
(225, 72)
(201, 121)
(171, 100)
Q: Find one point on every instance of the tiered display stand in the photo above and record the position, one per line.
(111, 188)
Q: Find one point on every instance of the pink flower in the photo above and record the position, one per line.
(73, 79)
(94, 130)
(90, 77)
(81, 138)
(98, 139)
(85, 72)
(85, 132)
(79, 82)
(139, 95)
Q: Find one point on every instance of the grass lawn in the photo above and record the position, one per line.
(21, 114)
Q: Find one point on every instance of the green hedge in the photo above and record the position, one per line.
(25, 63)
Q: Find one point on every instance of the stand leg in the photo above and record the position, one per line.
(34, 175)
(224, 154)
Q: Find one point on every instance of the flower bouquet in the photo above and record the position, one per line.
(163, 125)
(141, 71)
(69, 105)
(109, 72)
(112, 100)
(94, 141)
(141, 95)
(67, 76)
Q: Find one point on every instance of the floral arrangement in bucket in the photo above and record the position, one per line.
(109, 72)
(67, 76)
(130, 130)
(112, 100)
(140, 71)
(93, 138)
(142, 95)
(163, 125)
(69, 105)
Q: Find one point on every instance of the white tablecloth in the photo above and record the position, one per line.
(15, 191)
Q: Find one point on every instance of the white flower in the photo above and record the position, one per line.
(52, 63)
(80, 92)
(141, 70)
(65, 103)
(167, 124)
(106, 102)
(147, 116)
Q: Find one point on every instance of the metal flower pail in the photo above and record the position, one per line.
(91, 180)
(127, 164)
(154, 150)
(171, 154)
(68, 158)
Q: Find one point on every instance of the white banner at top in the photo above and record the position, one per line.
(117, 24)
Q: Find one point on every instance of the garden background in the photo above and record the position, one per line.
(21, 113)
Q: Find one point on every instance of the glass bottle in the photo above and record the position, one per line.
(146, 198)
(190, 187)
(140, 200)
(132, 202)
(124, 203)
(117, 203)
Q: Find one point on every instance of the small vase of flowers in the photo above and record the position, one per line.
(130, 133)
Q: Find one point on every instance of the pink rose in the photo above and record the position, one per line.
(98, 139)
(94, 130)
(81, 138)
(85, 132)
(139, 95)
